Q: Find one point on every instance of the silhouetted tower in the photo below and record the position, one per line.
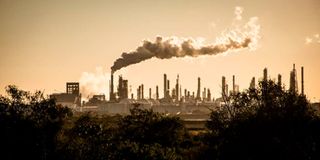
(293, 80)
(149, 93)
(177, 89)
(265, 82)
(139, 93)
(157, 92)
(122, 88)
(142, 90)
(168, 89)
(223, 86)
(173, 93)
(253, 83)
(302, 81)
(265, 74)
(165, 86)
(125, 89)
(180, 93)
(185, 93)
(198, 90)
(227, 90)
(112, 95)
(279, 80)
(209, 95)
(204, 95)
(233, 85)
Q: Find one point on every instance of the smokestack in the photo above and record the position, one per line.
(233, 85)
(142, 91)
(149, 93)
(111, 95)
(198, 90)
(227, 90)
(157, 92)
(165, 86)
(253, 83)
(293, 80)
(138, 93)
(279, 80)
(223, 86)
(209, 95)
(265, 74)
(180, 94)
(302, 81)
(177, 88)
(125, 88)
(168, 89)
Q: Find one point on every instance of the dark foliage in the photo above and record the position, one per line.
(264, 123)
(28, 125)
(143, 134)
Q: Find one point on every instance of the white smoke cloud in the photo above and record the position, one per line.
(238, 12)
(312, 39)
(94, 83)
(235, 38)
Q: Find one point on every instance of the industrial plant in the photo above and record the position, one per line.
(173, 100)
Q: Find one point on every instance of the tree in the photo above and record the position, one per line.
(145, 134)
(29, 123)
(264, 123)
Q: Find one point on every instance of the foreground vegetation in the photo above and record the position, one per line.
(262, 123)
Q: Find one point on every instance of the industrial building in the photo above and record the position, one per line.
(173, 100)
(72, 97)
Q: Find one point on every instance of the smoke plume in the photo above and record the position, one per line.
(234, 38)
(94, 83)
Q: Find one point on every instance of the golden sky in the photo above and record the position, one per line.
(45, 43)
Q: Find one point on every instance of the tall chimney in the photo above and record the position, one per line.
(177, 88)
(265, 74)
(302, 81)
(139, 93)
(149, 93)
(279, 80)
(180, 92)
(223, 86)
(168, 89)
(165, 86)
(253, 83)
(233, 84)
(209, 95)
(111, 96)
(142, 90)
(227, 90)
(293, 80)
(198, 90)
(157, 92)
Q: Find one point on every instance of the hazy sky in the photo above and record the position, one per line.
(45, 43)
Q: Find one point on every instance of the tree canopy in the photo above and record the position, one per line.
(264, 123)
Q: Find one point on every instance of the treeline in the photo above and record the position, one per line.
(263, 123)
